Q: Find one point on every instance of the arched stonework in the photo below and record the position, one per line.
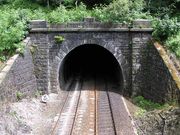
(127, 45)
(60, 57)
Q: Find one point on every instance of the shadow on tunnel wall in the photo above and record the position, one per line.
(94, 67)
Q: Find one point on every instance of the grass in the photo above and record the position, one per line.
(19, 95)
(38, 93)
(147, 105)
(59, 39)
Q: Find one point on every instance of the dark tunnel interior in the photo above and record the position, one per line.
(90, 62)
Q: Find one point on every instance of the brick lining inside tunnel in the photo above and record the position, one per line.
(89, 62)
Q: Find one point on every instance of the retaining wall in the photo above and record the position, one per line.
(17, 77)
(161, 76)
(146, 68)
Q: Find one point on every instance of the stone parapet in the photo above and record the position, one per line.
(89, 24)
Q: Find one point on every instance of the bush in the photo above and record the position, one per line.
(23, 4)
(62, 15)
(161, 8)
(49, 2)
(100, 14)
(165, 28)
(16, 13)
(117, 11)
(167, 31)
(173, 43)
(122, 11)
(95, 3)
(3, 1)
(146, 104)
(69, 3)
(137, 5)
(19, 95)
(13, 30)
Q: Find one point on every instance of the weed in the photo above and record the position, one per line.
(15, 115)
(19, 95)
(147, 105)
(59, 39)
(33, 49)
(38, 93)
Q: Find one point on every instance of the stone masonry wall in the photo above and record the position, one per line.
(116, 43)
(159, 78)
(40, 47)
(116, 38)
(143, 69)
(140, 50)
(18, 76)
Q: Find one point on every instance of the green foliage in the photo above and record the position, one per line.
(165, 28)
(118, 10)
(49, 2)
(137, 5)
(19, 95)
(100, 14)
(146, 104)
(62, 14)
(59, 15)
(13, 30)
(69, 3)
(167, 31)
(95, 3)
(15, 14)
(16, 4)
(161, 8)
(140, 112)
(3, 2)
(15, 115)
(122, 11)
(173, 43)
(21, 49)
(33, 49)
(59, 39)
(38, 93)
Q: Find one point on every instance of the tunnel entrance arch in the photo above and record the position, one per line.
(88, 62)
(128, 45)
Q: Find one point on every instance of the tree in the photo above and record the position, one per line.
(163, 7)
(3, 1)
(49, 3)
(92, 3)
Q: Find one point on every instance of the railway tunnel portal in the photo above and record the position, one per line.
(111, 51)
(90, 62)
(93, 65)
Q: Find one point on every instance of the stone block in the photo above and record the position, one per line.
(89, 19)
(141, 23)
(37, 24)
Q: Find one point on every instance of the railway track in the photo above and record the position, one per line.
(91, 107)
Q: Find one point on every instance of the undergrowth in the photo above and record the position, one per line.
(167, 31)
(15, 15)
(13, 29)
(173, 43)
(147, 105)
